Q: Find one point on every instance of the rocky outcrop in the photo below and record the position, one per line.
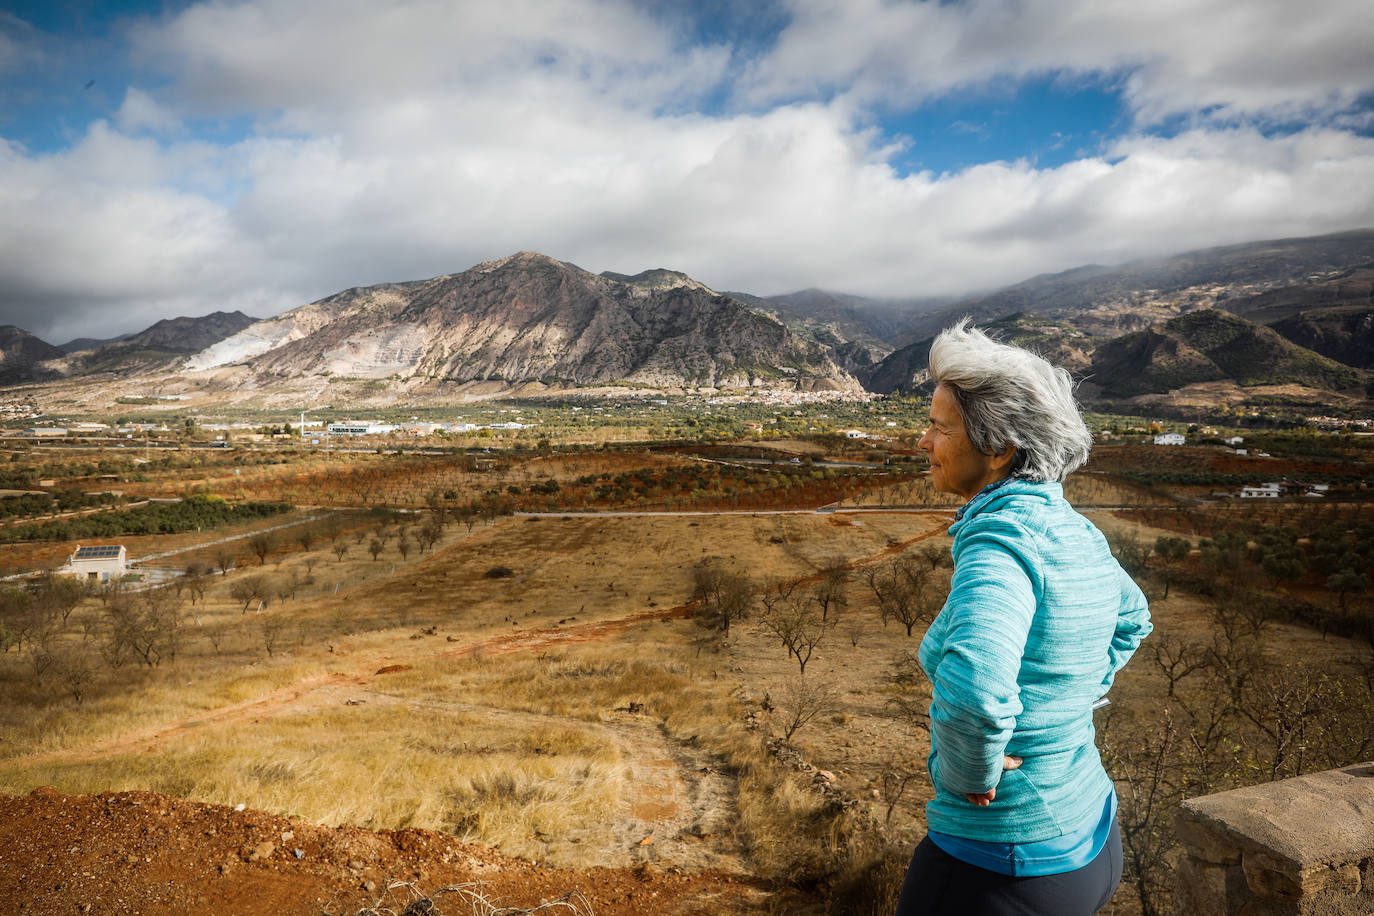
(529, 317)
(188, 335)
(1211, 345)
(22, 356)
(160, 347)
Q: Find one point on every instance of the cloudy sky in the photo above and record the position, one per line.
(162, 157)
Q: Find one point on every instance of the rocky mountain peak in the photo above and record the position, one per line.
(528, 317)
(659, 278)
(519, 260)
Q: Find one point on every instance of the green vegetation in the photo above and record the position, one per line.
(190, 514)
(55, 501)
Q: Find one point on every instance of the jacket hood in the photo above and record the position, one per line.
(991, 496)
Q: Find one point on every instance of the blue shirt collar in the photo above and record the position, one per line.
(1006, 487)
(981, 497)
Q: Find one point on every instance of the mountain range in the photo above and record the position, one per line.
(1292, 314)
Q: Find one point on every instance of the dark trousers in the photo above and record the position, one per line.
(937, 884)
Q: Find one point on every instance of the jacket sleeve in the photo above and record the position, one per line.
(975, 696)
(1132, 626)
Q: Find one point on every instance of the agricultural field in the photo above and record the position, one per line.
(673, 668)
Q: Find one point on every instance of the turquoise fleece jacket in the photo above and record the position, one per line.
(1039, 619)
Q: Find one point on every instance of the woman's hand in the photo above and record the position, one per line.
(983, 799)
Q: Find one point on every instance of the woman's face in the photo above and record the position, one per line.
(955, 465)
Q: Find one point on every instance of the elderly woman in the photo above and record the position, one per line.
(1039, 619)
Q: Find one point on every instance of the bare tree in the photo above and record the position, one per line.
(832, 595)
(75, 673)
(249, 589)
(429, 533)
(145, 625)
(55, 597)
(934, 554)
(1177, 659)
(905, 591)
(193, 580)
(910, 701)
(803, 700)
(796, 621)
(725, 594)
(261, 545)
(1149, 787)
(271, 627)
(1172, 551)
(892, 785)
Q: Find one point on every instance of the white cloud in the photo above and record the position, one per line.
(142, 113)
(19, 47)
(326, 55)
(94, 241)
(1230, 58)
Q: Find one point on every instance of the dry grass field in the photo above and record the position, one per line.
(566, 710)
(550, 686)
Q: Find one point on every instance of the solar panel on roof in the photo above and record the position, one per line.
(97, 553)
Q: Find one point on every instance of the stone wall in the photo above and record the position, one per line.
(1298, 846)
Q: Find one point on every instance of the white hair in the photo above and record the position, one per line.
(1012, 397)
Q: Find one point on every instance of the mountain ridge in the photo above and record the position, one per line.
(530, 319)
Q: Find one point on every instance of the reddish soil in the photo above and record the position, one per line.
(139, 852)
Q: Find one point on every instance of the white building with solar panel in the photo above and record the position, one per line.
(97, 564)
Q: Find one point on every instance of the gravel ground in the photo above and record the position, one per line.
(140, 852)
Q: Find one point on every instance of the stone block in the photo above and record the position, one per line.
(1200, 887)
(1267, 877)
(1268, 906)
(1264, 880)
(1201, 841)
(1305, 847)
(1343, 881)
(1318, 819)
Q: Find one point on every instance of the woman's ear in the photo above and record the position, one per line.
(1004, 461)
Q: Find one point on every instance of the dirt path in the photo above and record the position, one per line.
(326, 688)
(226, 540)
(683, 802)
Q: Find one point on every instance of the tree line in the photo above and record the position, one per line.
(190, 514)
